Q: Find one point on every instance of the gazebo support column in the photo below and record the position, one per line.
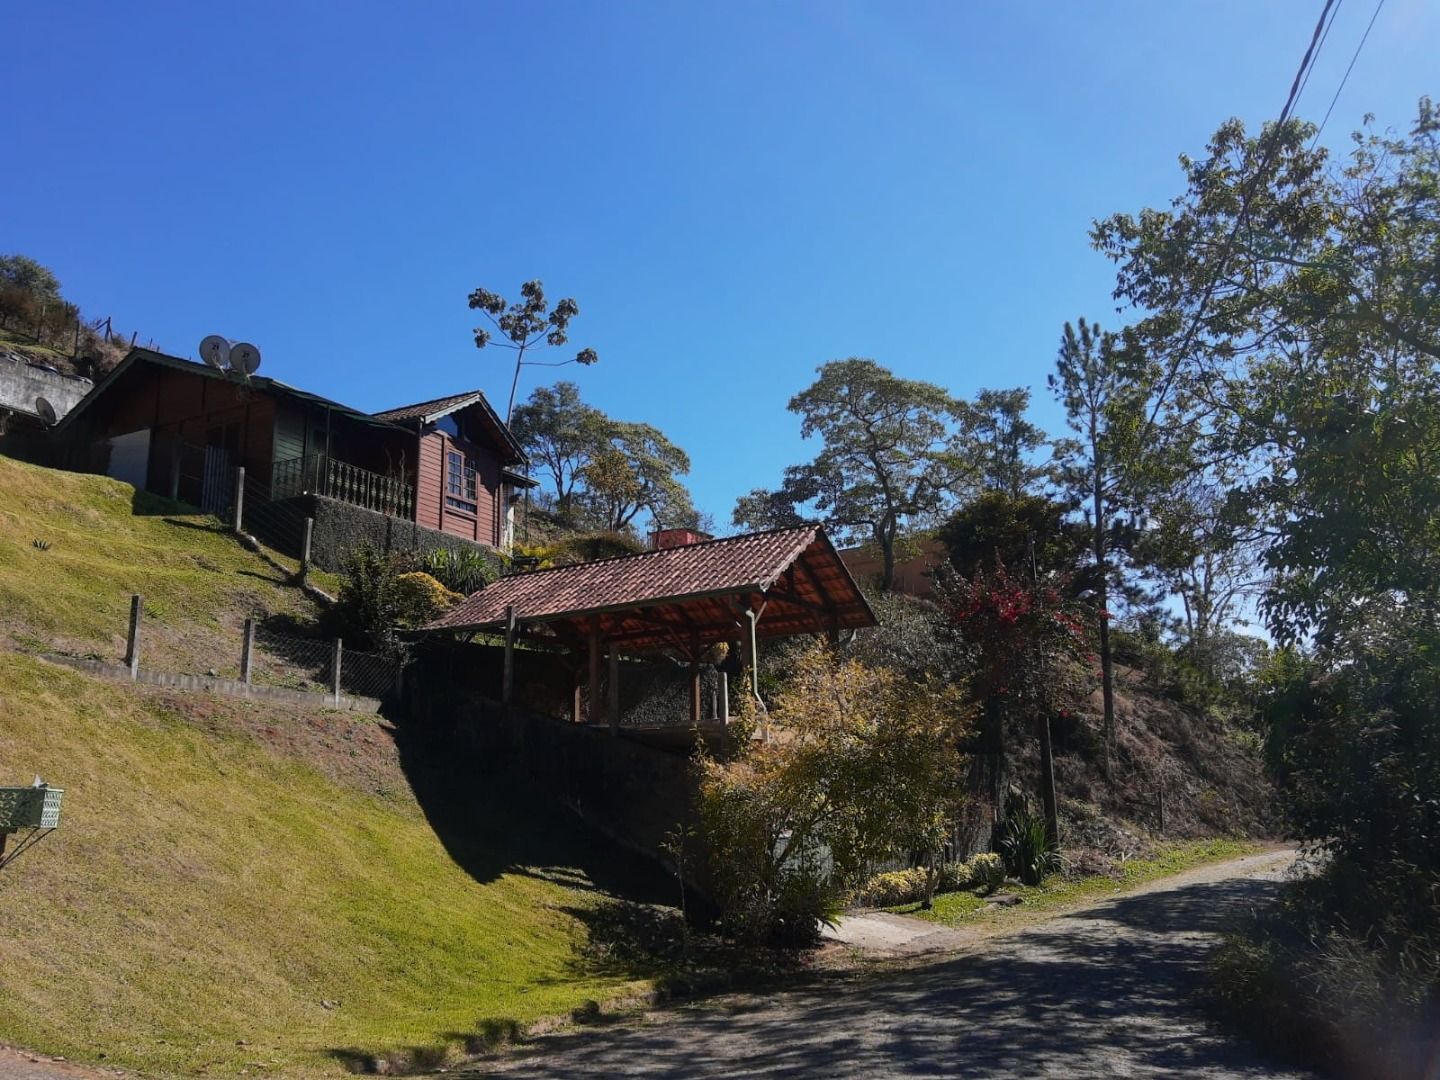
(694, 692)
(595, 700)
(750, 651)
(507, 683)
(613, 689)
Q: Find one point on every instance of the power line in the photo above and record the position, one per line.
(1323, 38)
(1306, 63)
(1346, 77)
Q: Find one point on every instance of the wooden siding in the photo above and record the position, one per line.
(433, 512)
(430, 480)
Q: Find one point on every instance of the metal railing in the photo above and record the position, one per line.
(320, 474)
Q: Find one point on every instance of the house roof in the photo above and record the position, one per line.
(427, 412)
(690, 597)
(259, 382)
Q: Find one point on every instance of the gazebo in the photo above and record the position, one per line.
(682, 600)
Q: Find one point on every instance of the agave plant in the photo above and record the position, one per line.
(462, 571)
(1026, 847)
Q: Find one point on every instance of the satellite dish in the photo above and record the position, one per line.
(244, 358)
(45, 411)
(215, 351)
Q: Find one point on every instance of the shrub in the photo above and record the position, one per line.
(368, 609)
(984, 872)
(864, 760)
(419, 598)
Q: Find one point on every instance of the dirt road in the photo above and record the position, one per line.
(1102, 992)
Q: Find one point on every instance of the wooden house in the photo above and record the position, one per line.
(178, 428)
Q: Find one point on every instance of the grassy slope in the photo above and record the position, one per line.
(205, 888)
(106, 542)
(223, 867)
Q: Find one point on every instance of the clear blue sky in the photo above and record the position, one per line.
(734, 192)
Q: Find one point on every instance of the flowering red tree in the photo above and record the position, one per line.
(1025, 639)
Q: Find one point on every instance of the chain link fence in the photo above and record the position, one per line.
(266, 654)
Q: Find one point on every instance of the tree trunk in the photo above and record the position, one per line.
(1047, 782)
(1107, 666)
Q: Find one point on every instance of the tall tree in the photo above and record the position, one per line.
(526, 325)
(563, 434)
(1300, 301)
(1002, 442)
(889, 457)
(1104, 386)
(639, 469)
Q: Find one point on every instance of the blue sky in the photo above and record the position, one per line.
(734, 193)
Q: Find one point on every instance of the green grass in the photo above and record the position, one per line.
(1058, 891)
(106, 541)
(206, 892)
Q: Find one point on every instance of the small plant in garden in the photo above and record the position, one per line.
(40, 545)
(460, 570)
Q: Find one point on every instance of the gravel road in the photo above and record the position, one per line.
(1102, 992)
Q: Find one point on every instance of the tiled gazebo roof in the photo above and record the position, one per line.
(690, 596)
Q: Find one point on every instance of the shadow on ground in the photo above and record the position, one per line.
(1100, 993)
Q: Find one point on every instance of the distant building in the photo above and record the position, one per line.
(24, 383)
(912, 575)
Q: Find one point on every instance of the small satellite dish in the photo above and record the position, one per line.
(45, 411)
(244, 358)
(215, 351)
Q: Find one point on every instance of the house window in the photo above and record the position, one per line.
(460, 482)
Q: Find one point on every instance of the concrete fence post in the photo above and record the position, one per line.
(335, 663)
(238, 523)
(247, 651)
(724, 698)
(305, 551)
(132, 643)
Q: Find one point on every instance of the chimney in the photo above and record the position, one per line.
(673, 538)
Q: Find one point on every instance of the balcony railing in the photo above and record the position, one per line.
(320, 474)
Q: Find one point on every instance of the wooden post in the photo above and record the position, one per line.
(507, 682)
(132, 644)
(1047, 782)
(595, 702)
(247, 651)
(305, 551)
(238, 523)
(613, 690)
(575, 694)
(724, 698)
(335, 663)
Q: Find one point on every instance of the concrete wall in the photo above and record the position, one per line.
(340, 527)
(22, 383)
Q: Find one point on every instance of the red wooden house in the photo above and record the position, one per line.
(179, 428)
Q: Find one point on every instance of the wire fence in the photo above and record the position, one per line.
(264, 653)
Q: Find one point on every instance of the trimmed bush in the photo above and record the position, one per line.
(420, 598)
(984, 872)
